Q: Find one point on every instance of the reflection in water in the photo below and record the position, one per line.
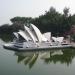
(66, 57)
(52, 56)
(27, 57)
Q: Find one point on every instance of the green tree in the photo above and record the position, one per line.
(21, 20)
(66, 12)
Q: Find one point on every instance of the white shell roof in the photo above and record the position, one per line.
(33, 33)
(16, 34)
(37, 32)
(22, 33)
(47, 35)
(59, 39)
(30, 34)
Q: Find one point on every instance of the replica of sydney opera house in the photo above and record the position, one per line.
(32, 39)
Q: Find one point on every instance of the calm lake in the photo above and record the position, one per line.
(52, 62)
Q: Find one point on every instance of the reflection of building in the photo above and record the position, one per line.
(29, 58)
(64, 56)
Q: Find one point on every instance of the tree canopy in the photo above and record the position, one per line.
(50, 21)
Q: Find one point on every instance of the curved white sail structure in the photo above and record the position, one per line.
(48, 36)
(22, 33)
(54, 39)
(16, 35)
(30, 34)
(37, 32)
(44, 38)
(59, 39)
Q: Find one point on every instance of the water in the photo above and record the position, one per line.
(57, 62)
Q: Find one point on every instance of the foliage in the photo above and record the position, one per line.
(21, 20)
(54, 21)
(6, 28)
(51, 21)
(66, 12)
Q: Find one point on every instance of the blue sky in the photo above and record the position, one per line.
(31, 8)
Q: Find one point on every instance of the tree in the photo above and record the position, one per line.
(5, 28)
(51, 21)
(21, 20)
(66, 12)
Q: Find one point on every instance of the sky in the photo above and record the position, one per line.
(31, 8)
